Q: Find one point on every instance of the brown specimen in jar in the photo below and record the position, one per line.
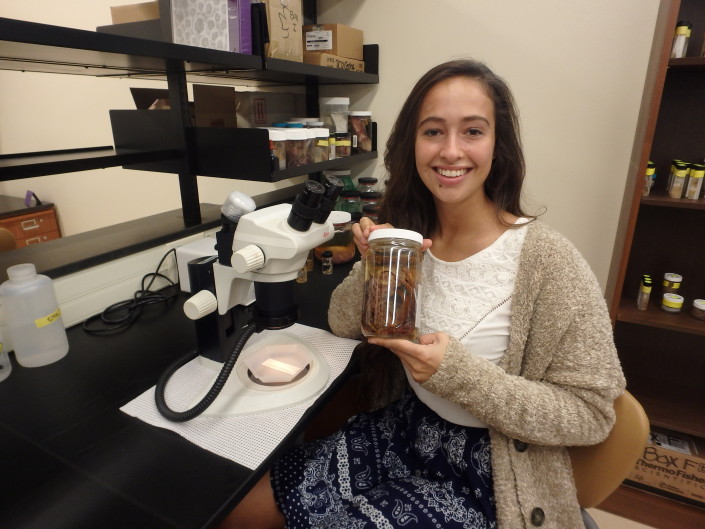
(390, 302)
(364, 142)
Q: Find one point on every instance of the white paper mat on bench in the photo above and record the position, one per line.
(245, 439)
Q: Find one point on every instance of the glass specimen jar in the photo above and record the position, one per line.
(392, 280)
(342, 245)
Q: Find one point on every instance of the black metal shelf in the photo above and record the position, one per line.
(44, 48)
(29, 165)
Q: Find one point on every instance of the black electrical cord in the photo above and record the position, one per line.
(207, 400)
(121, 315)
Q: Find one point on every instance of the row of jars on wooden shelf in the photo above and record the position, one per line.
(685, 180)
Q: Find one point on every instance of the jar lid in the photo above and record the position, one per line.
(314, 124)
(395, 233)
(699, 304)
(321, 132)
(345, 172)
(672, 300)
(673, 278)
(360, 113)
(296, 134)
(366, 180)
(339, 217)
(21, 271)
(277, 135)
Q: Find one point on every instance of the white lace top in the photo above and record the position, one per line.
(472, 301)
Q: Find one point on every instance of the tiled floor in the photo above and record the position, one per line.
(610, 521)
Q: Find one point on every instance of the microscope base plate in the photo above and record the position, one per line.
(244, 395)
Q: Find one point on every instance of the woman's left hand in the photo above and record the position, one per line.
(420, 359)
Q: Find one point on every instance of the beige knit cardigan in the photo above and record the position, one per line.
(553, 388)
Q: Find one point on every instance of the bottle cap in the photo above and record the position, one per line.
(327, 253)
(672, 278)
(394, 233)
(340, 217)
(21, 271)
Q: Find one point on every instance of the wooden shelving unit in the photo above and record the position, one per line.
(663, 354)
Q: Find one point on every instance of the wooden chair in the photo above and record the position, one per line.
(599, 469)
(7, 240)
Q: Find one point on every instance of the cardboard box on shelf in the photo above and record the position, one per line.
(284, 23)
(215, 106)
(135, 12)
(334, 39)
(261, 109)
(203, 23)
(673, 463)
(333, 61)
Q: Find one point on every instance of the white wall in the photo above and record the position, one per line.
(577, 70)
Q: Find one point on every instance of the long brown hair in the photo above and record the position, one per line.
(407, 203)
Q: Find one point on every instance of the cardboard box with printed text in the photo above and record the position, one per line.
(673, 464)
(333, 61)
(334, 39)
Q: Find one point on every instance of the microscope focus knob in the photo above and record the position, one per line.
(247, 259)
(200, 304)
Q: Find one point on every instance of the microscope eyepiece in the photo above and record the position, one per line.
(305, 208)
(333, 186)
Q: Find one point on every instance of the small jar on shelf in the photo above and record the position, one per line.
(349, 200)
(366, 183)
(671, 283)
(698, 309)
(695, 181)
(360, 126)
(671, 303)
(642, 300)
(649, 178)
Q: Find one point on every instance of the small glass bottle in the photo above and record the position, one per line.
(349, 200)
(366, 183)
(680, 40)
(371, 211)
(672, 302)
(320, 147)
(671, 283)
(642, 300)
(392, 279)
(370, 198)
(302, 275)
(360, 126)
(695, 181)
(678, 181)
(342, 144)
(327, 262)
(277, 143)
(342, 245)
(649, 178)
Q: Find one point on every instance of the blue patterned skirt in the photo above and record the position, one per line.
(402, 466)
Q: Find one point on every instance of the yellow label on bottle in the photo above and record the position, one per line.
(47, 320)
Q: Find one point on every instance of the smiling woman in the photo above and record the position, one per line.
(514, 359)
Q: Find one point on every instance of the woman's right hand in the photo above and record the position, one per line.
(361, 232)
